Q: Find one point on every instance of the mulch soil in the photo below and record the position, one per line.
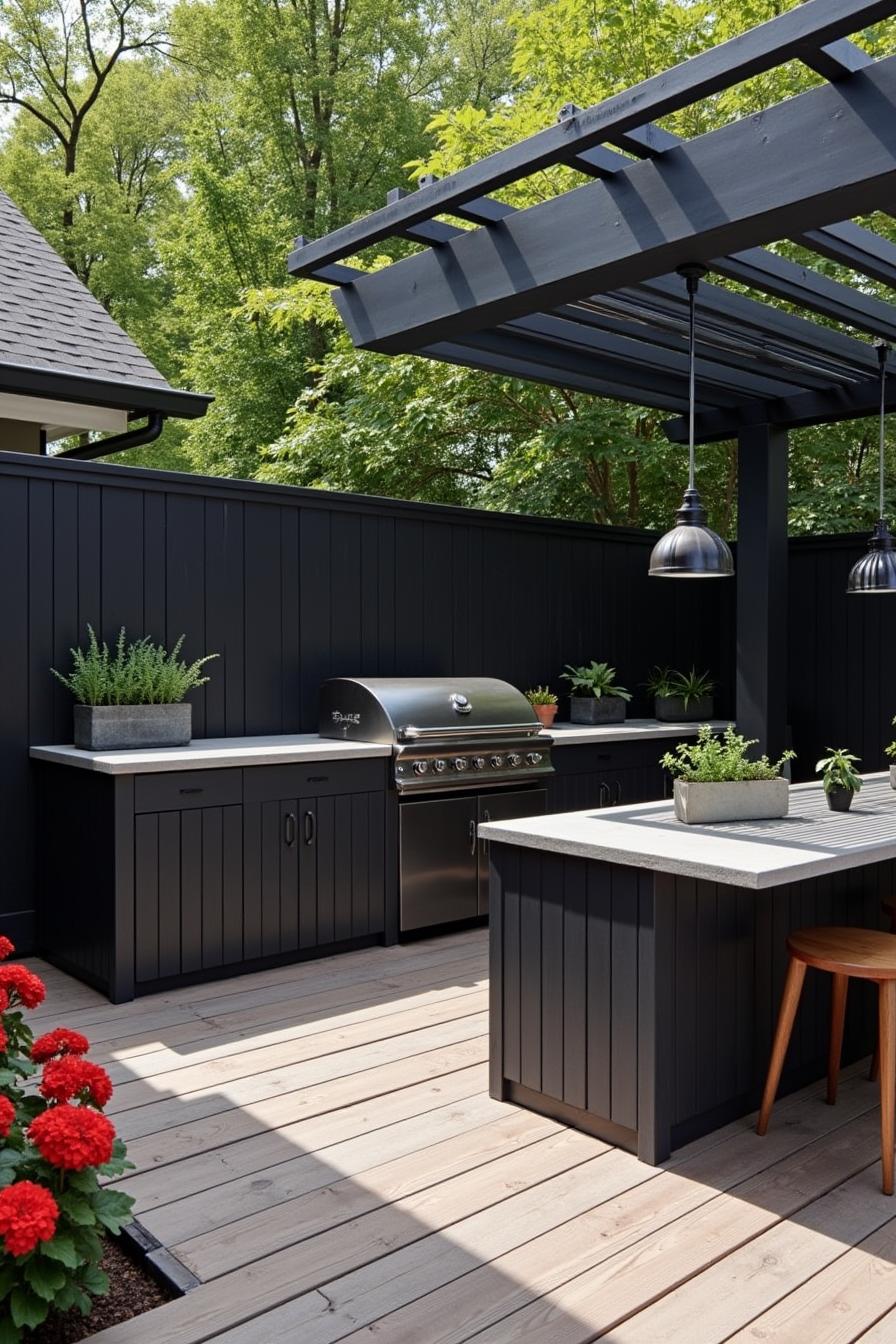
(134, 1290)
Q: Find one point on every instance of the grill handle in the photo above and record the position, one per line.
(410, 733)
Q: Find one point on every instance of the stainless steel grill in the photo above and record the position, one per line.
(464, 751)
(446, 733)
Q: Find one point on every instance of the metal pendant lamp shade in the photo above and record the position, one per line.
(876, 571)
(691, 550)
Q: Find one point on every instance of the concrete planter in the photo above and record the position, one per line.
(671, 709)
(893, 776)
(594, 709)
(746, 800)
(117, 727)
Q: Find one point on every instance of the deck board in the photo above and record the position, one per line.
(316, 1145)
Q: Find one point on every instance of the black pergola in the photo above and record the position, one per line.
(582, 290)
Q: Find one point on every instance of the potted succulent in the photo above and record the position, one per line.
(715, 779)
(544, 704)
(840, 778)
(132, 697)
(595, 697)
(681, 697)
(891, 752)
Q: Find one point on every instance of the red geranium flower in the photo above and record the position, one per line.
(70, 1077)
(72, 1137)
(7, 1116)
(4, 1000)
(22, 985)
(59, 1041)
(6, 948)
(28, 1214)
(4, 1039)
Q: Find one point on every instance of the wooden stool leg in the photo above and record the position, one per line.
(839, 986)
(887, 1047)
(793, 987)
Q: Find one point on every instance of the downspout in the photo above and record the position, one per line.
(131, 438)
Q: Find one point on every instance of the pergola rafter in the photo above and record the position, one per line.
(580, 291)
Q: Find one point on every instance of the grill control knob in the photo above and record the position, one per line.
(534, 757)
(478, 762)
(496, 761)
(439, 766)
(421, 767)
(460, 763)
(513, 759)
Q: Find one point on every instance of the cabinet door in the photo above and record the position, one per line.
(439, 874)
(344, 854)
(188, 886)
(504, 807)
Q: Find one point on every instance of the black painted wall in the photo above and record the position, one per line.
(291, 586)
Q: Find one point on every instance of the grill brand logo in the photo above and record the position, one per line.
(338, 717)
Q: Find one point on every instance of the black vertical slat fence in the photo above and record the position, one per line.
(291, 586)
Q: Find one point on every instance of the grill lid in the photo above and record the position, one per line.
(407, 709)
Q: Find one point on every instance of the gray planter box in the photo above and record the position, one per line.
(591, 709)
(671, 709)
(117, 727)
(893, 776)
(749, 800)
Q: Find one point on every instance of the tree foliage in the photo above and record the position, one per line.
(172, 151)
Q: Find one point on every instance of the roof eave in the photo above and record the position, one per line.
(137, 398)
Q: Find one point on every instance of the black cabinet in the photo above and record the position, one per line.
(608, 776)
(160, 878)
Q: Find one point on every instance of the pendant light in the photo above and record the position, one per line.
(691, 550)
(876, 571)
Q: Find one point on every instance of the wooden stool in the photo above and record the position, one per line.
(866, 954)
(890, 908)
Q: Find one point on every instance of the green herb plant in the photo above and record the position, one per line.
(721, 759)
(136, 673)
(540, 695)
(838, 770)
(597, 679)
(665, 683)
(891, 749)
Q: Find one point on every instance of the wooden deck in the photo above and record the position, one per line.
(316, 1145)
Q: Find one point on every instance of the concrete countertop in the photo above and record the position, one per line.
(632, 730)
(206, 753)
(810, 842)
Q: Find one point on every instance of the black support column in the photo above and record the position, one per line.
(762, 587)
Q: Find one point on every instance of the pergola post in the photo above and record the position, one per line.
(762, 618)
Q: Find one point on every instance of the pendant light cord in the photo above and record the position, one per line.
(882, 351)
(692, 281)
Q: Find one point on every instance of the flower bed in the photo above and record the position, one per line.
(55, 1146)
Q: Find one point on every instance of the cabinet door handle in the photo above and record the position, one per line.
(197, 789)
(472, 835)
(289, 828)
(605, 794)
(310, 828)
(618, 792)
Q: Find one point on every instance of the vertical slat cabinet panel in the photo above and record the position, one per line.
(342, 868)
(575, 1016)
(598, 1007)
(530, 970)
(360, 854)
(232, 884)
(191, 891)
(290, 882)
(146, 897)
(271, 847)
(624, 999)
(212, 887)
(252, 864)
(324, 857)
(376, 862)
(315, 838)
(169, 893)
(552, 985)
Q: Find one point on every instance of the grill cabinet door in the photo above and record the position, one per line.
(505, 807)
(438, 859)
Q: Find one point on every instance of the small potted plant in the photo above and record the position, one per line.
(595, 696)
(840, 778)
(891, 752)
(544, 704)
(715, 780)
(133, 697)
(681, 697)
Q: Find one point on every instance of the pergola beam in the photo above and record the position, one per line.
(798, 412)
(860, 249)
(726, 191)
(800, 31)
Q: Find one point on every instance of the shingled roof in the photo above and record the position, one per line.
(57, 340)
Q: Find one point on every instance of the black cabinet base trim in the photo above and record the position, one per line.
(233, 970)
(596, 1125)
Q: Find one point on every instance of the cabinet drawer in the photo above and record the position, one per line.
(263, 783)
(188, 788)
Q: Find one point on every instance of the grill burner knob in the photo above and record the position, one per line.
(439, 766)
(513, 759)
(534, 757)
(497, 761)
(460, 763)
(421, 767)
(478, 762)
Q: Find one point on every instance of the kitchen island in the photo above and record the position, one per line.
(637, 963)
